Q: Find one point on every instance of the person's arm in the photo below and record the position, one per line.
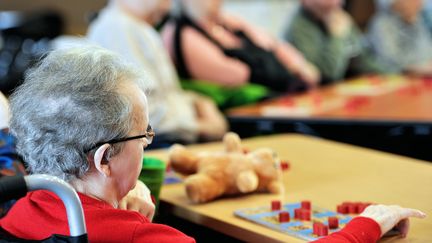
(206, 61)
(290, 57)
(259, 36)
(374, 222)
(359, 230)
(212, 125)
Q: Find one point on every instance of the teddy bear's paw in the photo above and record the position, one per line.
(247, 181)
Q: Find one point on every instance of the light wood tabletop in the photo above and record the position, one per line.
(325, 172)
(387, 98)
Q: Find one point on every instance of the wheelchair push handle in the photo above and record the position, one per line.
(17, 186)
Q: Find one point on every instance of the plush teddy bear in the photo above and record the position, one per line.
(229, 172)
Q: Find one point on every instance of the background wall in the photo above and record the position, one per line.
(271, 15)
(75, 12)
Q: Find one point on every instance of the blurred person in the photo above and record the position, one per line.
(427, 14)
(207, 44)
(400, 36)
(125, 27)
(328, 37)
(82, 115)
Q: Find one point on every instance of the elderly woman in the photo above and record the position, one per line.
(235, 52)
(328, 37)
(82, 115)
(124, 26)
(400, 37)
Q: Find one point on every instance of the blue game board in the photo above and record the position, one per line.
(297, 228)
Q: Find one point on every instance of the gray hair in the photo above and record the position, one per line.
(68, 103)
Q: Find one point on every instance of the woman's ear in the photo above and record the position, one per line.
(101, 160)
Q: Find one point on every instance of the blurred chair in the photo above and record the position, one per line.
(23, 39)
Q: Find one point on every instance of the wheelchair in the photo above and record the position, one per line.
(17, 186)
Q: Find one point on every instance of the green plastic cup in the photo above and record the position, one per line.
(152, 174)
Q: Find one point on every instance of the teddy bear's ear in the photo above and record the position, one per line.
(265, 161)
(232, 143)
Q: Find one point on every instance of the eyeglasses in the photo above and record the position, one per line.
(148, 135)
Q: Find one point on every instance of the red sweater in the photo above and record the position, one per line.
(358, 230)
(41, 214)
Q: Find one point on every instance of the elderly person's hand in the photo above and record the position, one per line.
(389, 217)
(139, 199)
(211, 123)
(338, 22)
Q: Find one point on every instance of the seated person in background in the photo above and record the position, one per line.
(82, 115)
(124, 26)
(427, 15)
(328, 37)
(400, 37)
(207, 44)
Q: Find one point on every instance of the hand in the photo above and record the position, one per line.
(296, 63)
(392, 216)
(310, 74)
(139, 199)
(338, 22)
(211, 123)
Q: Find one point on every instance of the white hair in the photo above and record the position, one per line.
(67, 104)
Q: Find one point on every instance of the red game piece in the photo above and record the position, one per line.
(284, 217)
(333, 222)
(284, 165)
(305, 214)
(343, 209)
(306, 204)
(287, 101)
(352, 208)
(323, 230)
(410, 90)
(275, 205)
(317, 99)
(320, 229)
(316, 228)
(361, 207)
(375, 80)
(356, 102)
(297, 213)
(427, 83)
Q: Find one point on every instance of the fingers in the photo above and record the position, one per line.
(149, 211)
(409, 212)
(143, 207)
(389, 217)
(123, 204)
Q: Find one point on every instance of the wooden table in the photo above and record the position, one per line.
(363, 99)
(325, 172)
(395, 111)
